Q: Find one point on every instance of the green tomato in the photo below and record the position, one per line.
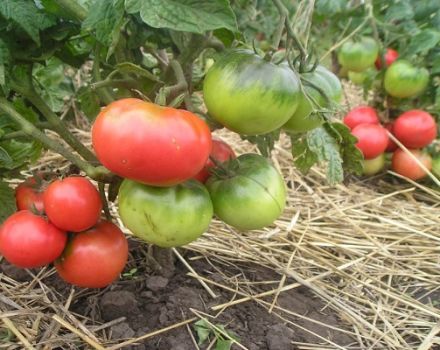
(253, 197)
(358, 55)
(373, 166)
(357, 78)
(165, 216)
(303, 119)
(403, 80)
(436, 166)
(249, 95)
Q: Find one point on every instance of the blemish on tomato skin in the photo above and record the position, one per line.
(124, 161)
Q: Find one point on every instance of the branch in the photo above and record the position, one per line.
(181, 84)
(104, 94)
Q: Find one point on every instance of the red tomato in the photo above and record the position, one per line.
(392, 146)
(72, 204)
(405, 165)
(28, 240)
(148, 143)
(372, 139)
(94, 258)
(222, 152)
(415, 128)
(390, 56)
(361, 115)
(29, 194)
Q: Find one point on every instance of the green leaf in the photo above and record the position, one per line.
(225, 36)
(223, 344)
(26, 15)
(4, 60)
(399, 10)
(423, 41)
(330, 7)
(303, 157)
(20, 153)
(265, 143)
(128, 67)
(203, 330)
(196, 16)
(7, 199)
(5, 158)
(89, 102)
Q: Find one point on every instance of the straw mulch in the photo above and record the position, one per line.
(369, 249)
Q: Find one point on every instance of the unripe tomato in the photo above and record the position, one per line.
(94, 258)
(373, 166)
(221, 152)
(436, 166)
(357, 78)
(403, 80)
(29, 194)
(358, 55)
(415, 128)
(392, 146)
(361, 115)
(405, 165)
(72, 204)
(148, 143)
(28, 240)
(372, 139)
(390, 56)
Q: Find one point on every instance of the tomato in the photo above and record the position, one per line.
(94, 258)
(357, 78)
(405, 165)
(392, 146)
(361, 115)
(436, 166)
(390, 56)
(415, 128)
(165, 216)
(28, 240)
(29, 194)
(372, 139)
(221, 152)
(303, 119)
(252, 197)
(373, 166)
(403, 80)
(72, 204)
(357, 56)
(148, 143)
(250, 95)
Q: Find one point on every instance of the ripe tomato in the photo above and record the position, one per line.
(372, 139)
(165, 216)
(28, 240)
(390, 56)
(221, 152)
(405, 165)
(72, 204)
(94, 258)
(145, 142)
(361, 115)
(415, 128)
(29, 194)
(250, 95)
(252, 198)
(403, 80)
(358, 55)
(373, 166)
(392, 146)
(303, 119)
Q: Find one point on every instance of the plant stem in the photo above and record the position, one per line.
(114, 82)
(101, 187)
(181, 85)
(104, 94)
(21, 133)
(73, 8)
(98, 173)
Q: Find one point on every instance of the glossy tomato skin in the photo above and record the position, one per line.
(403, 80)
(165, 216)
(222, 152)
(405, 165)
(373, 166)
(390, 56)
(303, 119)
(392, 146)
(28, 240)
(72, 204)
(29, 195)
(252, 198)
(249, 95)
(415, 128)
(148, 143)
(94, 258)
(361, 115)
(359, 55)
(372, 139)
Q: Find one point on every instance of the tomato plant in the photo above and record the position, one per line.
(415, 129)
(372, 139)
(405, 165)
(29, 194)
(252, 196)
(361, 115)
(28, 240)
(94, 258)
(72, 204)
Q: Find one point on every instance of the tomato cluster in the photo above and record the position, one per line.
(59, 222)
(415, 129)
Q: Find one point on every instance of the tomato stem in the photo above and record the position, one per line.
(101, 188)
(103, 93)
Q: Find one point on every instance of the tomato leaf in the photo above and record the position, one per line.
(223, 344)
(203, 330)
(423, 41)
(89, 102)
(330, 7)
(195, 16)
(265, 143)
(303, 157)
(400, 10)
(7, 199)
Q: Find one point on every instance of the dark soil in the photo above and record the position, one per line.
(150, 302)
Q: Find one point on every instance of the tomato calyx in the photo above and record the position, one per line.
(224, 170)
